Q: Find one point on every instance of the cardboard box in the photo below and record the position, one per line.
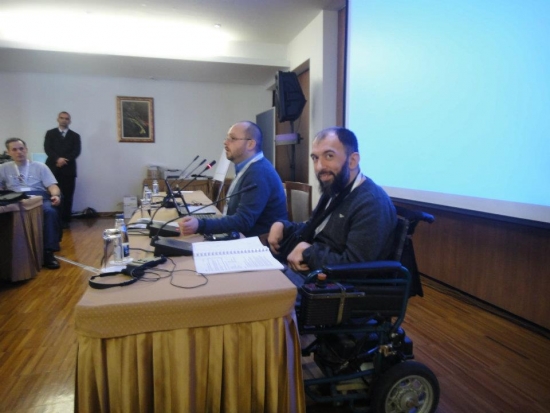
(130, 205)
(153, 172)
(172, 173)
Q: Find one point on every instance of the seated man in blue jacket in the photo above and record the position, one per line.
(354, 220)
(252, 212)
(35, 178)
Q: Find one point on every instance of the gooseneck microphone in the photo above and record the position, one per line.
(209, 166)
(187, 167)
(169, 247)
(176, 186)
(159, 229)
(181, 177)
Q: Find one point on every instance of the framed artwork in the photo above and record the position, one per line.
(135, 118)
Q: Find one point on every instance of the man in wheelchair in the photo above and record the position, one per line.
(355, 251)
(354, 220)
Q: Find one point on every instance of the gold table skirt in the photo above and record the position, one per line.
(241, 367)
(21, 239)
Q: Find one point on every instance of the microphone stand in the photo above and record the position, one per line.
(165, 231)
(177, 181)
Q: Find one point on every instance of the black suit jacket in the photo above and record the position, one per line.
(58, 147)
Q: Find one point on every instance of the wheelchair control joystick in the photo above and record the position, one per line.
(321, 281)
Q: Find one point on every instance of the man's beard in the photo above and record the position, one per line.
(338, 183)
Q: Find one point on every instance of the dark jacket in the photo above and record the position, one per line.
(56, 147)
(360, 229)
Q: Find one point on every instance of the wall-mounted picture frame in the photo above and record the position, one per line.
(135, 119)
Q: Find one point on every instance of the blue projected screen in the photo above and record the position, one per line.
(450, 101)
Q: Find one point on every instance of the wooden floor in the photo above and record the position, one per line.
(484, 362)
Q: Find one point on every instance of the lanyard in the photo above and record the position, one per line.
(356, 183)
(256, 158)
(21, 175)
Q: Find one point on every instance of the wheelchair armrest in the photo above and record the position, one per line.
(362, 268)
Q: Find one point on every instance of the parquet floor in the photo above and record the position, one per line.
(484, 362)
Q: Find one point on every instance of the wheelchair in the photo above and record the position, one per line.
(354, 317)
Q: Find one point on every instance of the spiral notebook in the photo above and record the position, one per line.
(245, 254)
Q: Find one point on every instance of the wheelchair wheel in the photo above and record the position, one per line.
(407, 387)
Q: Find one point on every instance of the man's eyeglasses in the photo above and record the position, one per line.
(233, 139)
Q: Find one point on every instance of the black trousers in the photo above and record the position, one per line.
(66, 185)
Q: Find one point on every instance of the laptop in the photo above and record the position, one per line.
(184, 208)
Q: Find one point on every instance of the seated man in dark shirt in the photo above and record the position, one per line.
(252, 212)
(354, 220)
(37, 179)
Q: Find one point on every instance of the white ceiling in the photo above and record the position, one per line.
(258, 32)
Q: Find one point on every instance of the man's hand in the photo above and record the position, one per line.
(189, 225)
(295, 259)
(275, 236)
(55, 200)
(61, 162)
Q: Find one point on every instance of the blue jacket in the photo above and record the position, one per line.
(253, 212)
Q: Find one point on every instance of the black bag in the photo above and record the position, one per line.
(10, 197)
(86, 213)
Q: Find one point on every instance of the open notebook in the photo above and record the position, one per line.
(245, 254)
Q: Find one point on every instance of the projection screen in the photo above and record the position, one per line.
(450, 101)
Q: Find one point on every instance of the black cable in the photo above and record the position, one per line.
(188, 288)
(170, 275)
(181, 286)
(141, 249)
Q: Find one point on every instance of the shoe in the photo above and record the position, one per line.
(50, 261)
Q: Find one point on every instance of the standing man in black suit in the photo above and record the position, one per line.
(62, 146)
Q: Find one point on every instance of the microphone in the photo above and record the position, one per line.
(166, 176)
(160, 229)
(187, 167)
(176, 248)
(180, 178)
(209, 166)
(192, 170)
(245, 189)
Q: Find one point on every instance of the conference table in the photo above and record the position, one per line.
(21, 241)
(179, 341)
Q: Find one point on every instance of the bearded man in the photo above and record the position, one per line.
(354, 220)
(253, 212)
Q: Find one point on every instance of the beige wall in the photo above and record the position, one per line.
(190, 119)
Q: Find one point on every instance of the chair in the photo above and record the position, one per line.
(355, 316)
(298, 201)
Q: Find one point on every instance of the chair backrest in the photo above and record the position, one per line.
(400, 236)
(406, 253)
(298, 201)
